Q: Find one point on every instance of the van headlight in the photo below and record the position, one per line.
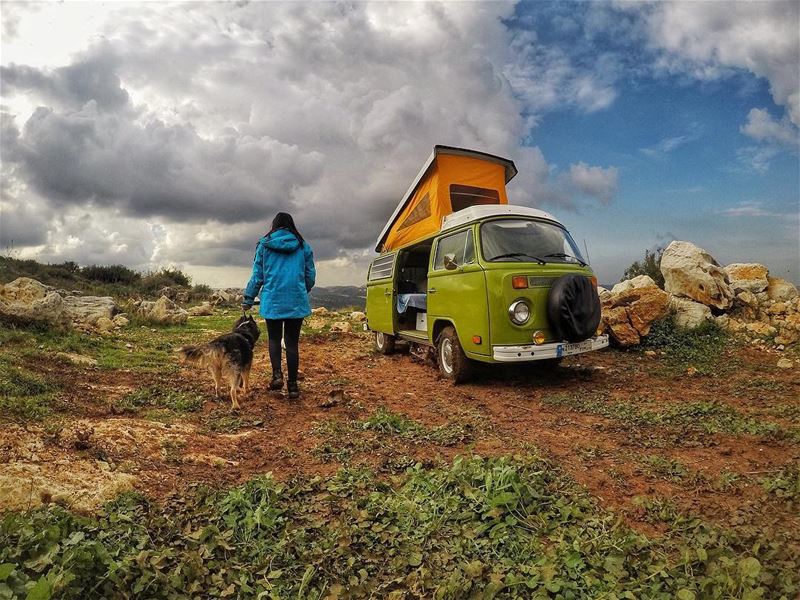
(519, 312)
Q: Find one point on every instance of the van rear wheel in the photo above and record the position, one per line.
(453, 363)
(384, 343)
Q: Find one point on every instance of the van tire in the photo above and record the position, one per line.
(384, 343)
(453, 363)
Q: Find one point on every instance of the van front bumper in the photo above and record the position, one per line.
(531, 352)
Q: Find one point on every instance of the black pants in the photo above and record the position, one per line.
(289, 329)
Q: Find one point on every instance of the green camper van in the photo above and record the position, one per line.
(463, 272)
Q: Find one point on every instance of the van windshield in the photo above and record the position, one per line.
(524, 240)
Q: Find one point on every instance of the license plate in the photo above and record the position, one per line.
(567, 349)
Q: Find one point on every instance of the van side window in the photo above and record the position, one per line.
(381, 268)
(461, 245)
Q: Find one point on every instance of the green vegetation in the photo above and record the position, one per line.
(666, 467)
(783, 484)
(111, 274)
(135, 347)
(708, 417)
(382, 429)
(500, 528)
(650, 266)
(386, 421)
(701, 347)
(24, 396)
(220, 420)
(157, 397)
(156, 280)
(113, 280)
(387, 433)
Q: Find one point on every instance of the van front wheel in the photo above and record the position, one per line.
(453, 363)
(384, 343)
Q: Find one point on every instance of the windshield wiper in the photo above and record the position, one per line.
(517, 255)
(565, 255)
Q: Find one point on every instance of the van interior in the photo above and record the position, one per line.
(412, 287)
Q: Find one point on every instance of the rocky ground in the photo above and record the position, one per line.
(119, 413)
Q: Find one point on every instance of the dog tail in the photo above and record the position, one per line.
(192, 353)
(206, 355)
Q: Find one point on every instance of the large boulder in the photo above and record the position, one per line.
(627, 316)
(788, 330)
(89, 309)
(688, 313)
(26, 300)
(201, 310)
(780, 290)
(747, 277)
(639, 281)
(163, 311)
(691, 272)
(341, 327)
(221, 297)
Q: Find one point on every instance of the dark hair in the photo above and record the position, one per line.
(285, 221)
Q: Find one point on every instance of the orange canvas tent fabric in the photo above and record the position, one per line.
(453, 179)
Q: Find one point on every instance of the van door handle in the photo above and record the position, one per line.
(432, 291)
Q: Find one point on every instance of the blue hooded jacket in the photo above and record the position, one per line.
(284, 273)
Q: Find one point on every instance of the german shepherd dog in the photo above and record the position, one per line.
(231, 354)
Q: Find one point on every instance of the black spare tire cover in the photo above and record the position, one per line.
(573, 308)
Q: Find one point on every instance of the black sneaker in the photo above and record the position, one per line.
(293, 389)
(277, 381)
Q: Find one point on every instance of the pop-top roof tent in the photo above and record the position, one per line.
(451, 179)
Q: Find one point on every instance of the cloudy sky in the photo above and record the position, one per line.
(152, 134)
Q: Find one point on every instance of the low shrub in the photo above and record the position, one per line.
(111, 274)
(155, 280)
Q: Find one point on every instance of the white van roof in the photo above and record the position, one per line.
(475, 213)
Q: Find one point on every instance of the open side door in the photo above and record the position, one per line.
(382, 293)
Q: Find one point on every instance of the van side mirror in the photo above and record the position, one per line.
(450, 262)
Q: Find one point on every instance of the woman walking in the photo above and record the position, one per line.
(284, 273)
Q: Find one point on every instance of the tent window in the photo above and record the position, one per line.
(421, 211)
(464, 196)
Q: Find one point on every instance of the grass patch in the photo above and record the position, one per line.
(16, 381)
(220, 420)
(386, 421)
(790, 412)
(24, 396)
(134, 347)
(701, 347)
(152, 397)
(383, 431)
(707, 417)
(497, 528)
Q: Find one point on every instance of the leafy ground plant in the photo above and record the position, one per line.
(784, 484)
(505, 528)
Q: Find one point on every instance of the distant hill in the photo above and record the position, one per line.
(339, 296)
